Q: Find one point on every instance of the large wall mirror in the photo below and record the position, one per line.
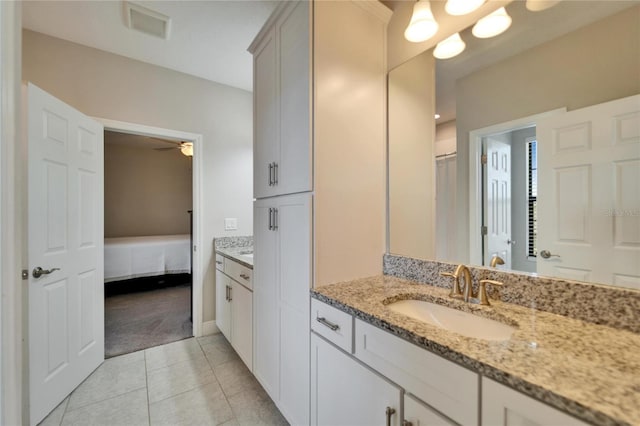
(534, 161)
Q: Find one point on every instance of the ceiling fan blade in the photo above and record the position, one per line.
(166, 149)
(166, 141)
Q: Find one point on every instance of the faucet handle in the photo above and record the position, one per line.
(484, 299)
(456, 292)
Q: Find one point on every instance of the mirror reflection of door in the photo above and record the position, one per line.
(497, 199)
(589, 217)
(509, 199)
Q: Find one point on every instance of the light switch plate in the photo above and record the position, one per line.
(230, 224)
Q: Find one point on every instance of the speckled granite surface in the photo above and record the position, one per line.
(598, 304)
(235, 248)
(590, 371)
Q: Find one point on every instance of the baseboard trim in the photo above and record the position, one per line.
(209, 327)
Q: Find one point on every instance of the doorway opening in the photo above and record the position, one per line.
(502, 188)
(152, 285)
(509, 189)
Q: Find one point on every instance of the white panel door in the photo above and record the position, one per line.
(65, 238)
(223, 305)
(498, 201)
(419, 414)
(588, 194)
(344, 392)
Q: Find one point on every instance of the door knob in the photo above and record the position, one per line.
(38, 271)
(512, 242)
(546, 254)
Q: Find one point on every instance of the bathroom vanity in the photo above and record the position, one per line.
(372, 365)
(234, 294)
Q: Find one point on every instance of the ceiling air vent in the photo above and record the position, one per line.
(146, 20)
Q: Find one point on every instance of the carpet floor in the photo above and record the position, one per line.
(141, 320)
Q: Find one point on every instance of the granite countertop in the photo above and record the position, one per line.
(590, 371)
(242, 255)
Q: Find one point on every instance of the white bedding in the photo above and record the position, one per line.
(133, 257)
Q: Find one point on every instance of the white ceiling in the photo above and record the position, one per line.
(209, 39)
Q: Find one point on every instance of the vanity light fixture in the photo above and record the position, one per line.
(539, 5)
(186, 148)
(493, 24)
(422, 25)
(462, 7)
(449, 47)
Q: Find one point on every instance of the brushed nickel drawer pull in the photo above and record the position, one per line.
(389, 412)
(332, 326)
(245, 276)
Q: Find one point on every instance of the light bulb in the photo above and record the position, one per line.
(187, 149)
(492, 25)
(449, 47)
(462, 7)
(422, 25)
(539, 5)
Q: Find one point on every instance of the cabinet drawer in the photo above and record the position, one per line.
(332, 324)
(219, 262)
(447, 387)
(238, 272)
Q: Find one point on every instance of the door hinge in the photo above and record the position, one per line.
(484, 230)
(483, 159)
(25, 274)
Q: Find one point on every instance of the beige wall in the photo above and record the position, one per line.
(146, 192)
(595, 64)
(109, 86)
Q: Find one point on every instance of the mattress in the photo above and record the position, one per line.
(134, 257)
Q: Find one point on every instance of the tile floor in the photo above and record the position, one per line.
(191, 382)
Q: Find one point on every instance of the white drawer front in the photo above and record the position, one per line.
(239, 273)
(219, 262)
(449, 388)
(332, 324)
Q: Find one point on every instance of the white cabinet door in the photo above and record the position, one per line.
(282, 279)
(265, 99)
(293, 222)
(418, 414)
(344, 392)
(282, 85)
(265, 299)
(223, 308)
(294, 167)
(241, 322)
(504, 406)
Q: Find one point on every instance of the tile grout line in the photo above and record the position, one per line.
(146, 384)
(224, 394)
(64, 412)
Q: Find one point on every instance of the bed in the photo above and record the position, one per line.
(135, 257)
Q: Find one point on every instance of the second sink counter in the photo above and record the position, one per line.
(587, 370)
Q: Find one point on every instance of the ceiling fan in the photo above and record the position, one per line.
(185, 147)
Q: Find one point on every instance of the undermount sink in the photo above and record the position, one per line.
(460, 322)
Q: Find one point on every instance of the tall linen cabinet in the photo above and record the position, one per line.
(319, 175)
